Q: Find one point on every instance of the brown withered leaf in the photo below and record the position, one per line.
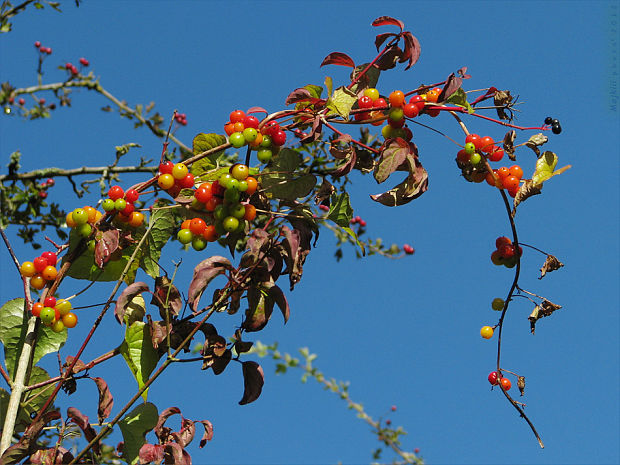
(528, 189)
(536, 141)
(82, 422)
(508, 144)
(166, 291)
(106, 401)
(501, 98)
(551, 264)
(106, 246)
(521, 384)
(324, 192)
(546, 308)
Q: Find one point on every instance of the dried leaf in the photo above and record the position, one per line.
(160, 430)
(204, 273)
(551, 264)
(175, 454)
(521, 384)
(208, 432)
(412, 50)
(126, 296)
(186, 435)
(536, 141)
(508, 144)
(151, 453)
(106, 401)
(502, 98)
(52, 456)
(165, 291)
(324, 192)
(79, 365)
(253, 380)
(545, 309)
(411, 188)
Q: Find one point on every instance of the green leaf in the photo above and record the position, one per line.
(544, 167)
(315, 91)
(411, 188)
(134, 427)
(137, 350)
(203, 142)
(280, 181)
(340, 210)
(84, 266)
(13, 325)
(351, 233)
(341, 102)
(460, 98)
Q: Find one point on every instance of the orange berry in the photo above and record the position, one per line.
(516, 171)
(136, 219)
(397, 98)
(36, 308)
(250, 212)
(229, 128)
(197, 226)
(37, 282)
(70, 221)
(238, 127)
(185, 224)
(433, 95)
(252, 185)
(92, 213)
(49, 273)
(210, 234)
(69, 320)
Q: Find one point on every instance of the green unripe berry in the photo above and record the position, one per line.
(225, 179)
(84, 230)
(58, 326)
(497, 304)
(470, 148)
(80, 216)
(236, 139)
(396, 114)
(387, 131)
(220, 212)
(475, 158)
(243, 186)
(250, 134)
(231, 195)
(120, 204)
(185, 236)
(91, 245)
(266, 142)
(238, 211)
(47, 315)
(230, 224)
(264, 155)
(107, 205)
(198, 243)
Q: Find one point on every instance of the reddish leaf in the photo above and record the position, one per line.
(280, 299)
(51, 456)
(186, 434)
(27, 445)
(204, 273)
(393, 155)
(253, 380)
(389, 59)
(175, 454)
(166, 291)
(123, 300)
(488, 94)
(411, 188)
(387, 20)
(106, 401)
(208, 433)
(259, 310)
(106, 246)
(161, 431)
(315, 132)
(382, 38)
(462, 72)
(412, 50)
(294, 256)
(256, 110)
(298, 95)
(159, 332)
(151, 453)
(452, 84)
(79, 365)
(81, 420)
(338, 58)
(346, 153)
(257, 242)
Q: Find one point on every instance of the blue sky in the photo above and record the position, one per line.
(403, 332)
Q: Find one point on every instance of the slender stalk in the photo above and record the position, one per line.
(59, 172)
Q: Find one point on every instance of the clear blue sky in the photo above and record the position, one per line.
(402, 332)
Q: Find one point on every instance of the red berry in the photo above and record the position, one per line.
(84, 62)
(132, 195)
(187, 182)
(128, 210)
(486, 144)
(166, 167)
(506, 251)
(42, 49)
(505, 383)
(418, 101)
(411, 110)
(503, 240)
(324, 208)
(496, 154)
(237, 116)
(21, 101)
(49, 301)
(37, 44)
(493, 378)
(48, 50)
(42, 101)
(40, 263)
(270, 128)
(408, 249)
(380, 103)
(50, 257)
(278, 137)
(365, 102)
(68, 65)
(116, 192)
(250, 122)
(43, 194)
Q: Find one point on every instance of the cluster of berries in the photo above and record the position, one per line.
(358, 220)
(244, 129)
(374, 104)
(181, 118)
(82, 219)
(55, 313)
(506, 178)
(124, 203)
(41, 270)
(495, 380)
(505, 253)
(73, 69)
(555, 125)
(197, 232)
(44, 185)
(174, 177)
(45, 50)
(477, 147)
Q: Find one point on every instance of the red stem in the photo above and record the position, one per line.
(353, 140)
(463, 110)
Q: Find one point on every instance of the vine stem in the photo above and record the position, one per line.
(463, 110)
(58, 172)
(95, 324)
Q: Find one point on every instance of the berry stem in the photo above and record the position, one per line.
(463, 110)
(330, 126)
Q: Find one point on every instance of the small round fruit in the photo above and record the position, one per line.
(386, 131)
(237, 116)
(250, 134)
(91, 245)
(462, 156)
(397, 98)
(197, 226)
(236, 139)
(250, 122)
(239, 171)
(364, 102)
(69, 219)
(136, 219)
(264, 155)
(493, 378)
(63, 306)
(496, 154)
(37, 282)
(503, 240)
(433, 95)
(116, 192)
(69, 320)
(503, 172)
(516, 171)
(132, 195)
(505, 384)
(411, 110)
(266, 142)
(229, 128)
(185, 236)
(108, 205)
(203, 194)
(92, 213)
(396, 114)
(49, 273)
(210, 233)
(548, 120)
(497, 304)
(120, 204)
(510, 182)
(470, 148)
(49, 301)
(50, 257)
(47, 315)
(250, 212)
(278, 138)
(36, 308)
(84, 230)
(238, 211)
(473, 138)
(243, 186)
(418, 101)
(506, 251)
(80, 216)
(58, 326)
(486, 144)
(230, 223)
(27, 269)
(556, 128)
(252, 185)
(187, 182)
(166, 167)
(179, 171)
(496, 258)
(39, 264)
(220, 212)
(486, 332)
(199, 243)
(372, 93)
(165, 181)
(474, 159)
